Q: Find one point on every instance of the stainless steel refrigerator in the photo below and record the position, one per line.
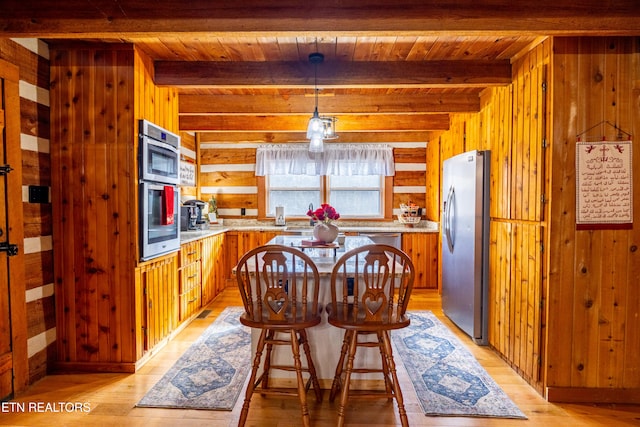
(465, 242)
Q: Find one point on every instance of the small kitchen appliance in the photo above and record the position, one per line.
(198, 207)
(280, 216)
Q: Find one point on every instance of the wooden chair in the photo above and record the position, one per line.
(279, 288)
(369, 304)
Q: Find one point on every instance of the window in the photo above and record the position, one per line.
(352, 196)
(354, 178)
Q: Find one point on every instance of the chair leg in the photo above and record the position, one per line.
(385, 366)
(251, 384)
(267, 360)
(337, 378)
(310, 365)
(396, 385)
(344, 396)
(302, 394)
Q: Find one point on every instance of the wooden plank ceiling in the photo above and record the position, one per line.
(392, 71)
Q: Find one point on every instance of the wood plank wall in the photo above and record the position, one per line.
(228, 171)
(594, 297)
(98, 94)
(510, 124)
(32, 58)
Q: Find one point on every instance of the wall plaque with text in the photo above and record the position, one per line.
(604, 184)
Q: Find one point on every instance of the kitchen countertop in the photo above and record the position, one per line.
(303, 227)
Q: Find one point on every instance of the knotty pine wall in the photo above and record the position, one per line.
(32, 58)
(594, 275)
(99, 92)
(512, 125)
(227, 170)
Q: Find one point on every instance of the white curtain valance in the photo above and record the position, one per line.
(341, 160)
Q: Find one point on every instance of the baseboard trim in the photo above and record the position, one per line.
(90, 367)
(593, 395)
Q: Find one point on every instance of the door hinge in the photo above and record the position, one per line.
(9, 248)
(543, 199)
(5, 169)
(541, 247)
(544, 86)
(544, 143)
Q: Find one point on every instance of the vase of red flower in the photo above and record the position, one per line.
(325, 230)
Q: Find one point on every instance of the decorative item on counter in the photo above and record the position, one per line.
(213, 210)
(410, 214)
(325, 231)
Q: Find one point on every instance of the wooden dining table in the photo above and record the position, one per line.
(325, 340)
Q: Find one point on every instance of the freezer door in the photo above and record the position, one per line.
(463, 236)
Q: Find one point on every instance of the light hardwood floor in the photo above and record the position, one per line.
(112, 397)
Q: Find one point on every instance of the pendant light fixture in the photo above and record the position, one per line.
(320, 128)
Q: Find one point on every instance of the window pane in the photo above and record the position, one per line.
(294, 192)
(294, 181)
(295, 202)
(359, 203)
(355, 181)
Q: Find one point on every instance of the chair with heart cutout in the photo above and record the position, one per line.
(279, 287)
(370, 289)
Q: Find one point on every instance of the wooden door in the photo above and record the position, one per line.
(14, 369)
(6, 358)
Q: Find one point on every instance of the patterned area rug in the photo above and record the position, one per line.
(448, 380)
(211, 373)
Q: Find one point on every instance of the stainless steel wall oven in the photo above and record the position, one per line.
(159, 157)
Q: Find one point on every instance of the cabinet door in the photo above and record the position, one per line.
(214, 267)
(159, 312)
(423, 250)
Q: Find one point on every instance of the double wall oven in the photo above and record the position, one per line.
(159, 206)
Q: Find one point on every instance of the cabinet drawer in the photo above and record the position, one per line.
(190, 277)
(190, 292)
(190, 252)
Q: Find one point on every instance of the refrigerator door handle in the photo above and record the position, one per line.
(448, 218)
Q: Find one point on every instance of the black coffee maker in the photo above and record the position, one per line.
(194, 211)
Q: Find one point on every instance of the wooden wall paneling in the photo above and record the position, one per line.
(562, 197)
(94, 145)
(629, 119)
(124, 213)
(598, 73)
(433, 173)
(229, 179)
(228, 156)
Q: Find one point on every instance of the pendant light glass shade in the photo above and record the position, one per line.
(319, 128)
(316, 144)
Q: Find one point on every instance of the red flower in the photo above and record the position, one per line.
(325, 213)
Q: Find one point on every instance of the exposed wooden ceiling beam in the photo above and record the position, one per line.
(339, 104)
(103, 18)
(228, 74)
(295, 123)
(287, 137)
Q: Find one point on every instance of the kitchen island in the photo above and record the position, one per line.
(324, 339)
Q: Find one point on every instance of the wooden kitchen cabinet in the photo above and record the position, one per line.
(423, 250)
(157, 309)
(214, 273)
(190, 274)
(239, 243)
